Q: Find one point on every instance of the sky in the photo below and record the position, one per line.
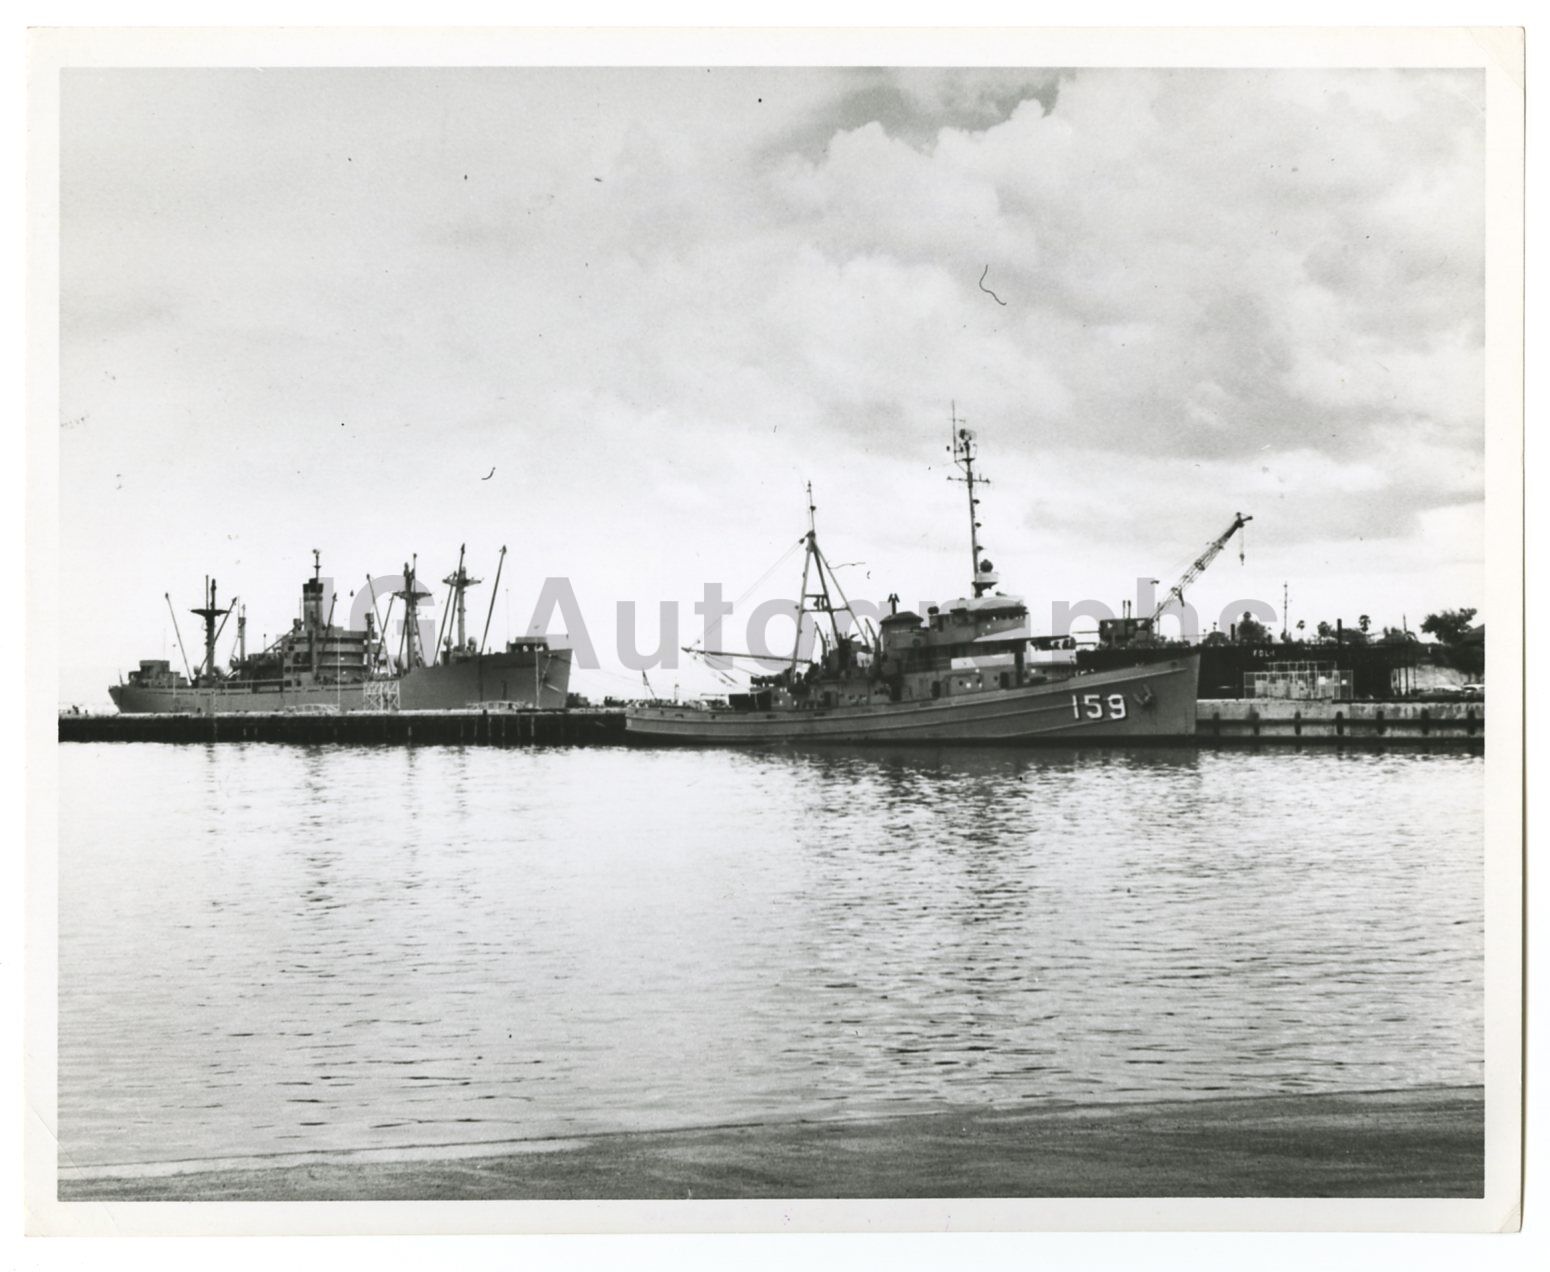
(615, 321)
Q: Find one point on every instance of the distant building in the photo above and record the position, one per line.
(1302, 680)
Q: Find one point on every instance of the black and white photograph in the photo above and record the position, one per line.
(894, 633)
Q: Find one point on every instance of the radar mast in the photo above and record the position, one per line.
(963, 451)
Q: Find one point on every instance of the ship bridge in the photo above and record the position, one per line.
(972, 618)
(969, 626)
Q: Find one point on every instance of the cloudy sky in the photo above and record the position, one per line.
(315, 308)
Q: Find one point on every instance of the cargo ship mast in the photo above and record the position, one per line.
(209, 611)
(459, 582)
(412, 595)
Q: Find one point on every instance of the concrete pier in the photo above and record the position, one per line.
(1422, 1142)
(357, 728)
(1343, 723)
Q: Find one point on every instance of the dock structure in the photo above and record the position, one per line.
(576, 727)
(1258, 720)
(1220, 722)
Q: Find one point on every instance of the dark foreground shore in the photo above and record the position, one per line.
(1427, 1142)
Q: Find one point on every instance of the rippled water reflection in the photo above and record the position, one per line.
(265, 949)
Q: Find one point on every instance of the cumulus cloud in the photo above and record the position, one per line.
(331, 295)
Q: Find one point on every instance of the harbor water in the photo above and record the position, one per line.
(269, 950)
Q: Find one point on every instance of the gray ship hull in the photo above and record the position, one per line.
(525, 677)
(255, 696)
(1152, 702)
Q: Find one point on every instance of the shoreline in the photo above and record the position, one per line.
(1416, 1142)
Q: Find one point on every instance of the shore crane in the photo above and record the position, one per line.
(1176, 592)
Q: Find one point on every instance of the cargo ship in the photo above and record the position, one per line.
(969, 671)
(319, 666)
(528, 673)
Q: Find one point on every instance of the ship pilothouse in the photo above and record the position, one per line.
(317, 652)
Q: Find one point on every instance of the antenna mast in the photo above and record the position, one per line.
(962, 449)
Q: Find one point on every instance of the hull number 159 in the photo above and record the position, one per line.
(1097, 706)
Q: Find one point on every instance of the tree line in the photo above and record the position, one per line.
(1447, 627)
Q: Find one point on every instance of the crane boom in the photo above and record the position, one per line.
(1200, 563)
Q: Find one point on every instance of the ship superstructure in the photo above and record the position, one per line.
(314, 665)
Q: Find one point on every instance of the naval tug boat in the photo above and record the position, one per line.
(968, 671)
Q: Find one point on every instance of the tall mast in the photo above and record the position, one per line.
(167, 596)
(963, 455)
(412, 594)
(459, 582)
(807, 565)
(824, 604)
(490, 613)
(209, 611)
(816, 566)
